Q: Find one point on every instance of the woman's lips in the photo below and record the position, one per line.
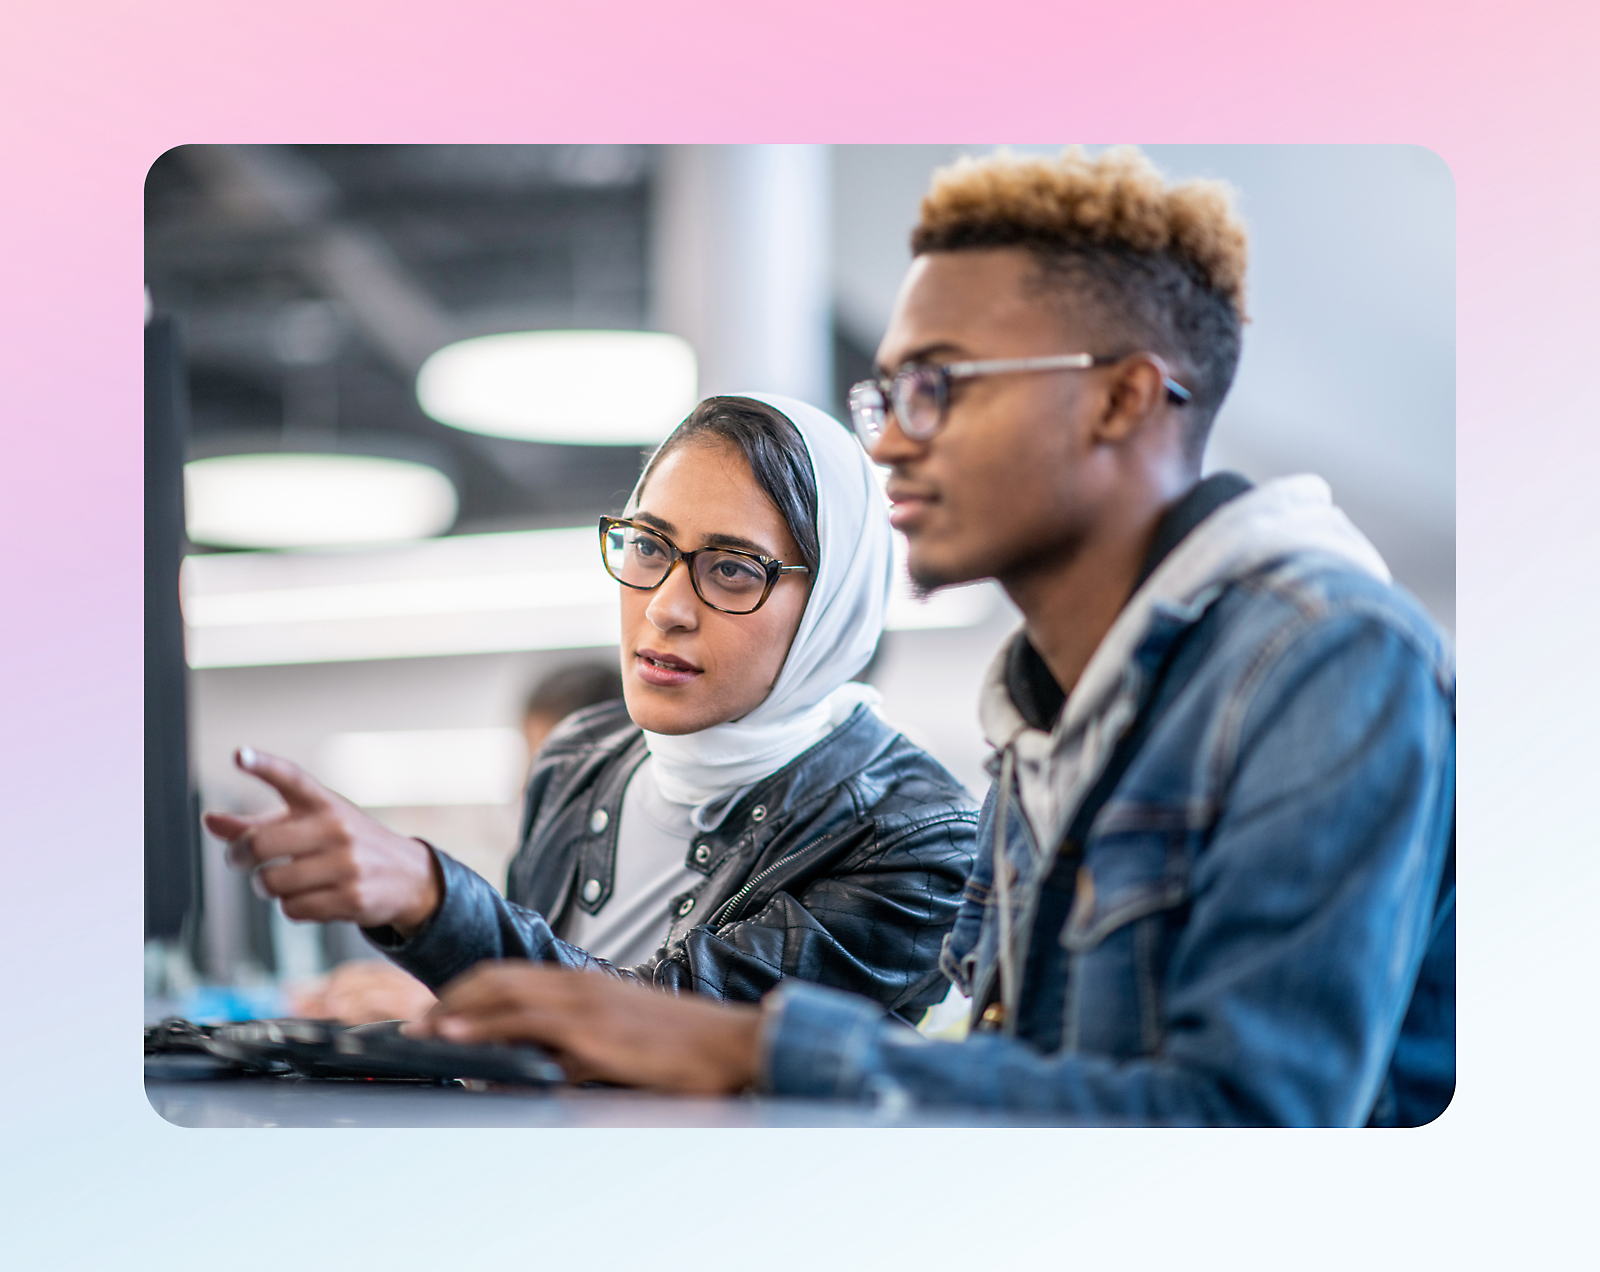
(665, 670)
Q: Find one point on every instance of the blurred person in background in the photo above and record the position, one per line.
(744, 816)
(1217, 872)
(365, 990)
(562, 692)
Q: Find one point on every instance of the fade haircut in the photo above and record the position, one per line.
(1151, 266)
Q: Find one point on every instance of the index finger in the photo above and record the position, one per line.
(299, 789)
(491, 983)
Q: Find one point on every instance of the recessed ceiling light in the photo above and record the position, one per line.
(599, 388)
(317, 500)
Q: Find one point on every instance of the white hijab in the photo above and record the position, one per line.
(838, 631)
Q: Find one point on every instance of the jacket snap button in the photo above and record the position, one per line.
(702, 853)
(591, 891)
(758, 812)
(687, 905)
(597, 823)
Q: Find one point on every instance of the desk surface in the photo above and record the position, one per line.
(237, 1102)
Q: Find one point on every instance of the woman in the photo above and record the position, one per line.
(743, 815)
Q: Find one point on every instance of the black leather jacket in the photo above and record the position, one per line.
(844, 867)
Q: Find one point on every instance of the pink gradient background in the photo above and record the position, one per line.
(1506, 94)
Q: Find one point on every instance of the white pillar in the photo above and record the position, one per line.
(740, 267)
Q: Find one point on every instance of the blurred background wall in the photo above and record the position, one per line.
(313, 284)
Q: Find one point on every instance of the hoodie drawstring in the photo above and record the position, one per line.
(1002, 884)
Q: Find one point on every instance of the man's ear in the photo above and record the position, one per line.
(1136, 391)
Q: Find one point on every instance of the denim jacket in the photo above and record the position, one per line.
(1259, 925)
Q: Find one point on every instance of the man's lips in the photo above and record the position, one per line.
(657, 668)
(909, 502)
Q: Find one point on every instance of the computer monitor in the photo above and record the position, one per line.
(171, 831)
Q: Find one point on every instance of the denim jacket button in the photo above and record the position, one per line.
(597, 823)
(591, 891)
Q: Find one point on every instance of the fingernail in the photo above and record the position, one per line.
(247, 757)
(451, 1027)
(258, 885)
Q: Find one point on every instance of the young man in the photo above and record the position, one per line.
(1218, 878)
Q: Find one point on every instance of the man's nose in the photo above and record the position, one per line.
(892, 445)
(674, 605)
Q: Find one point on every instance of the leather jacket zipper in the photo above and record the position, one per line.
(728, 906)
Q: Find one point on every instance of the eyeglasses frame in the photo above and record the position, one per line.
(775, 569)
(947, 372)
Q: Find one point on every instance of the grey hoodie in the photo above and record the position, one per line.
(1260, 528)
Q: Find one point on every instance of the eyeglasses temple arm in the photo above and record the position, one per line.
(991, 366)
(1064, 362)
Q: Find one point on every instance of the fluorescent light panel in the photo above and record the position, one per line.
(280, 500)
(468, 594)
(603, 388)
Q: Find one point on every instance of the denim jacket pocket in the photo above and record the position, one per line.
(1091, 923)
(1117, 938)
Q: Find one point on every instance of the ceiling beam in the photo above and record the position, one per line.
(271, 186)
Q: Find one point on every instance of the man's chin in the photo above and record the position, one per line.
(927, 576)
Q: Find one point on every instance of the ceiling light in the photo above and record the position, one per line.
(279, 500)
(600, 388)
(464, 594)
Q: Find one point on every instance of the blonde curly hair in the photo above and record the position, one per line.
(1117, 199)
(1162, 266)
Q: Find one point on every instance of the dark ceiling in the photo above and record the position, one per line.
(311, 282)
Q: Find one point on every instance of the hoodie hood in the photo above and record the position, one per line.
(1262, 527)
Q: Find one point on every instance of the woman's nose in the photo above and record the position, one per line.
(673, 605)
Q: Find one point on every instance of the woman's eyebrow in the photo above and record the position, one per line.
(737, 541)
(712, 540)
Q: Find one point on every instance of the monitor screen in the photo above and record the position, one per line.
(171, 840)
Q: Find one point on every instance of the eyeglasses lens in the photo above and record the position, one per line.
(868, 411)
(636, 557)
(919, 401)
(729, 581)
(918, 395)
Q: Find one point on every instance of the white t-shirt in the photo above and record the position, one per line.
(652, 842)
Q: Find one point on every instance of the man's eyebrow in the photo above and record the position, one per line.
(712, 540)
(922, 354)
